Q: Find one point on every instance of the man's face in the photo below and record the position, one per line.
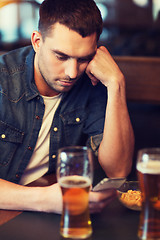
(61, 58)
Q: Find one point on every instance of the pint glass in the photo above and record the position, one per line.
(75, 175)
(148, 168)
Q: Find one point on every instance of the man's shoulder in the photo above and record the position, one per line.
(13, 69)
(23, 50)
(16, 56)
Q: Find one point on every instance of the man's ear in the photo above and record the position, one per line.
(36, 38)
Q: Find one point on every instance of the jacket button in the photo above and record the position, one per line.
(77, 119)
(3, 136)
(53, 156)
(55, 129)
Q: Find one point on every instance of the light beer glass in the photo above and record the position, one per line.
(75, 175)
(148, 168)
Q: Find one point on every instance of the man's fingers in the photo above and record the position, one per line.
(97, 207)
(102, 195)
(94, 80)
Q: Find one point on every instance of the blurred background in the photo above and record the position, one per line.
(131, 27)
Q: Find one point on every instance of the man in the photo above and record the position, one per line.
(55, 95)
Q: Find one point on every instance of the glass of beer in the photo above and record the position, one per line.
(148, 168)
(75, 175)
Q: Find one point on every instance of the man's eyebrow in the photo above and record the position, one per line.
(60, 53)
(87, 57)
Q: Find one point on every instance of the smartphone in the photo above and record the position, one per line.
(109, 183)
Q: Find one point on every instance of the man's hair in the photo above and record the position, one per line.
(82, 16)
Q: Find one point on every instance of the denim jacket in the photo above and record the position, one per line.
(79, 119)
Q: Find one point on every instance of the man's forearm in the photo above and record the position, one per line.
(116, 148)
(45, 199)
(17, 197)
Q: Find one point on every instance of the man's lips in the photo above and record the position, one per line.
(66, 83)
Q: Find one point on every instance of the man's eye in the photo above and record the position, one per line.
(84, 60)
(61, 58)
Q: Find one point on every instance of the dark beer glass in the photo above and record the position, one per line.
(75, 175)
(148, 169)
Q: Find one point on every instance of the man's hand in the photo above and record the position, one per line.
(97, 200)
(103, 68)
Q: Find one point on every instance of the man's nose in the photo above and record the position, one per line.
(71, 69)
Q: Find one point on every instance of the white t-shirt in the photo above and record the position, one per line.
(39, 162)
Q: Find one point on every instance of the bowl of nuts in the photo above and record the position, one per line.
(130, 196)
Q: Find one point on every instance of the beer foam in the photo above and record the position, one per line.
(150, 167)
(80, 180)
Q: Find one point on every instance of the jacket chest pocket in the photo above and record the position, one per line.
(10, 138)
(73, 126)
